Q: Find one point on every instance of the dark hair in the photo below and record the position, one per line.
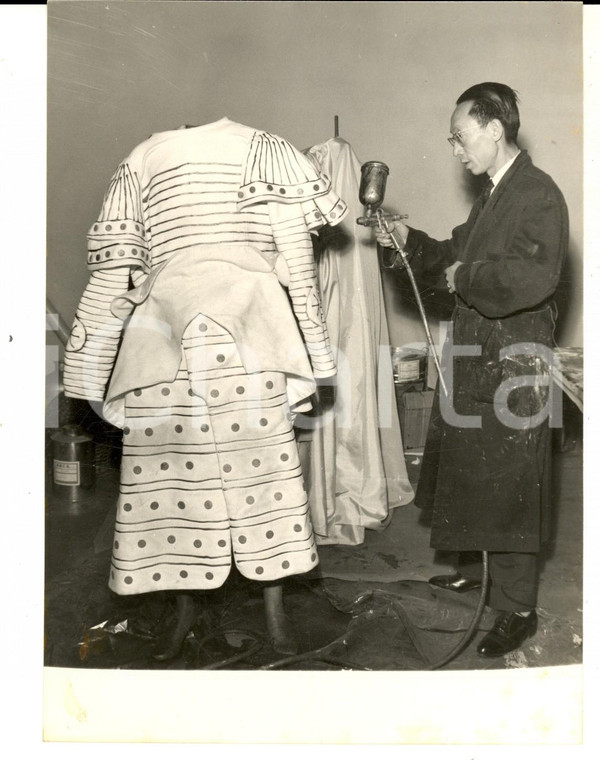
(494, 101)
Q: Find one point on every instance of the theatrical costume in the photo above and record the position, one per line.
(357, 471)
(201, 332)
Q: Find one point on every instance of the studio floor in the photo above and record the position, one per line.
(367, 607)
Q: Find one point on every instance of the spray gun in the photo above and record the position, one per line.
(371, 193)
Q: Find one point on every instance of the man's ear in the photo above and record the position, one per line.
(496, 129)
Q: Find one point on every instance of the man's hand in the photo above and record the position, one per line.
(450, 274)
(400, 231)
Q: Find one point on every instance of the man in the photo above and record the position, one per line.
(486, 468)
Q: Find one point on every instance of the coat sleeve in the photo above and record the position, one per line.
(294, 244)
(429, 258)
(527, 270)
(300, 200)
(116, 249)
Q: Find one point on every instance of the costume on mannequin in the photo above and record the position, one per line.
(356, 469)
(205, 361)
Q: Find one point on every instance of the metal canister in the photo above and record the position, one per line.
(410, 368)
(73, 469)
(371, 193)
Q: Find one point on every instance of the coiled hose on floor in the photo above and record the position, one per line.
(321, 654)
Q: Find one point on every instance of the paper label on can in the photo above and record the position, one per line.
(66, 473)
(408, 370)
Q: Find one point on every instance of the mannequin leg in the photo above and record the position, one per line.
(185, 616)
(278, 624)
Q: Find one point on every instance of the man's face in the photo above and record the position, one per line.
(475, 147)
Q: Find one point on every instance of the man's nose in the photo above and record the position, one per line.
(457, 150)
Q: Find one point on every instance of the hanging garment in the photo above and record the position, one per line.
(206, 360)
(356, 468)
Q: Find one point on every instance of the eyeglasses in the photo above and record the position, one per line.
(457, 137)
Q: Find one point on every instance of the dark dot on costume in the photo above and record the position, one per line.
(235, 427)
(227, 468)
(127, 507)
(284, 457)
(297, 528)
(202, 327)
(107, 254)
(178, 429)
(269, 534)
(269, 384)
(278, 496)
(197, 543)
(316, 187)
(313, 557)
(252, 189)
(145, 200)
(123, 226)
(156, 577)
(109, 227)
(208, 504)
(260, 570)
(285, 564)
(154, 505)
(137, 392)
(171, 539)
(209, 576)
(137, 226)
(317, 214)
(126, 431)
(240, 389)
(256, 463)
(240, 195)
(222, 543)
(189, 465)
(134, 251)
(220, 358)
(242, 539)
(98, 257)
(204, 428)
(121, 253)
(128, 579)
(116, 544)
(164, 466)
(190, 392)
(141, 544)
(214, 393)
(95, 227)
(264, 422)
(269, 187)
(149, 431)
(333, 215)
(137, 470)
(181, 504)
(249, 499)
(165, 391)
(183, 574)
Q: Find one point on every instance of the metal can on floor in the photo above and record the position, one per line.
(73, 469)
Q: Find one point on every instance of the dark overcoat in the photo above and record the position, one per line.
(486, 466)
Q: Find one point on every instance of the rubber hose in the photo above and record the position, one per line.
(474, 623)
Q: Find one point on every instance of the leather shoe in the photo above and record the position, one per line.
(455, 582)
(509, 632)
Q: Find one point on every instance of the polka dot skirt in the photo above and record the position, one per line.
(210, 471)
